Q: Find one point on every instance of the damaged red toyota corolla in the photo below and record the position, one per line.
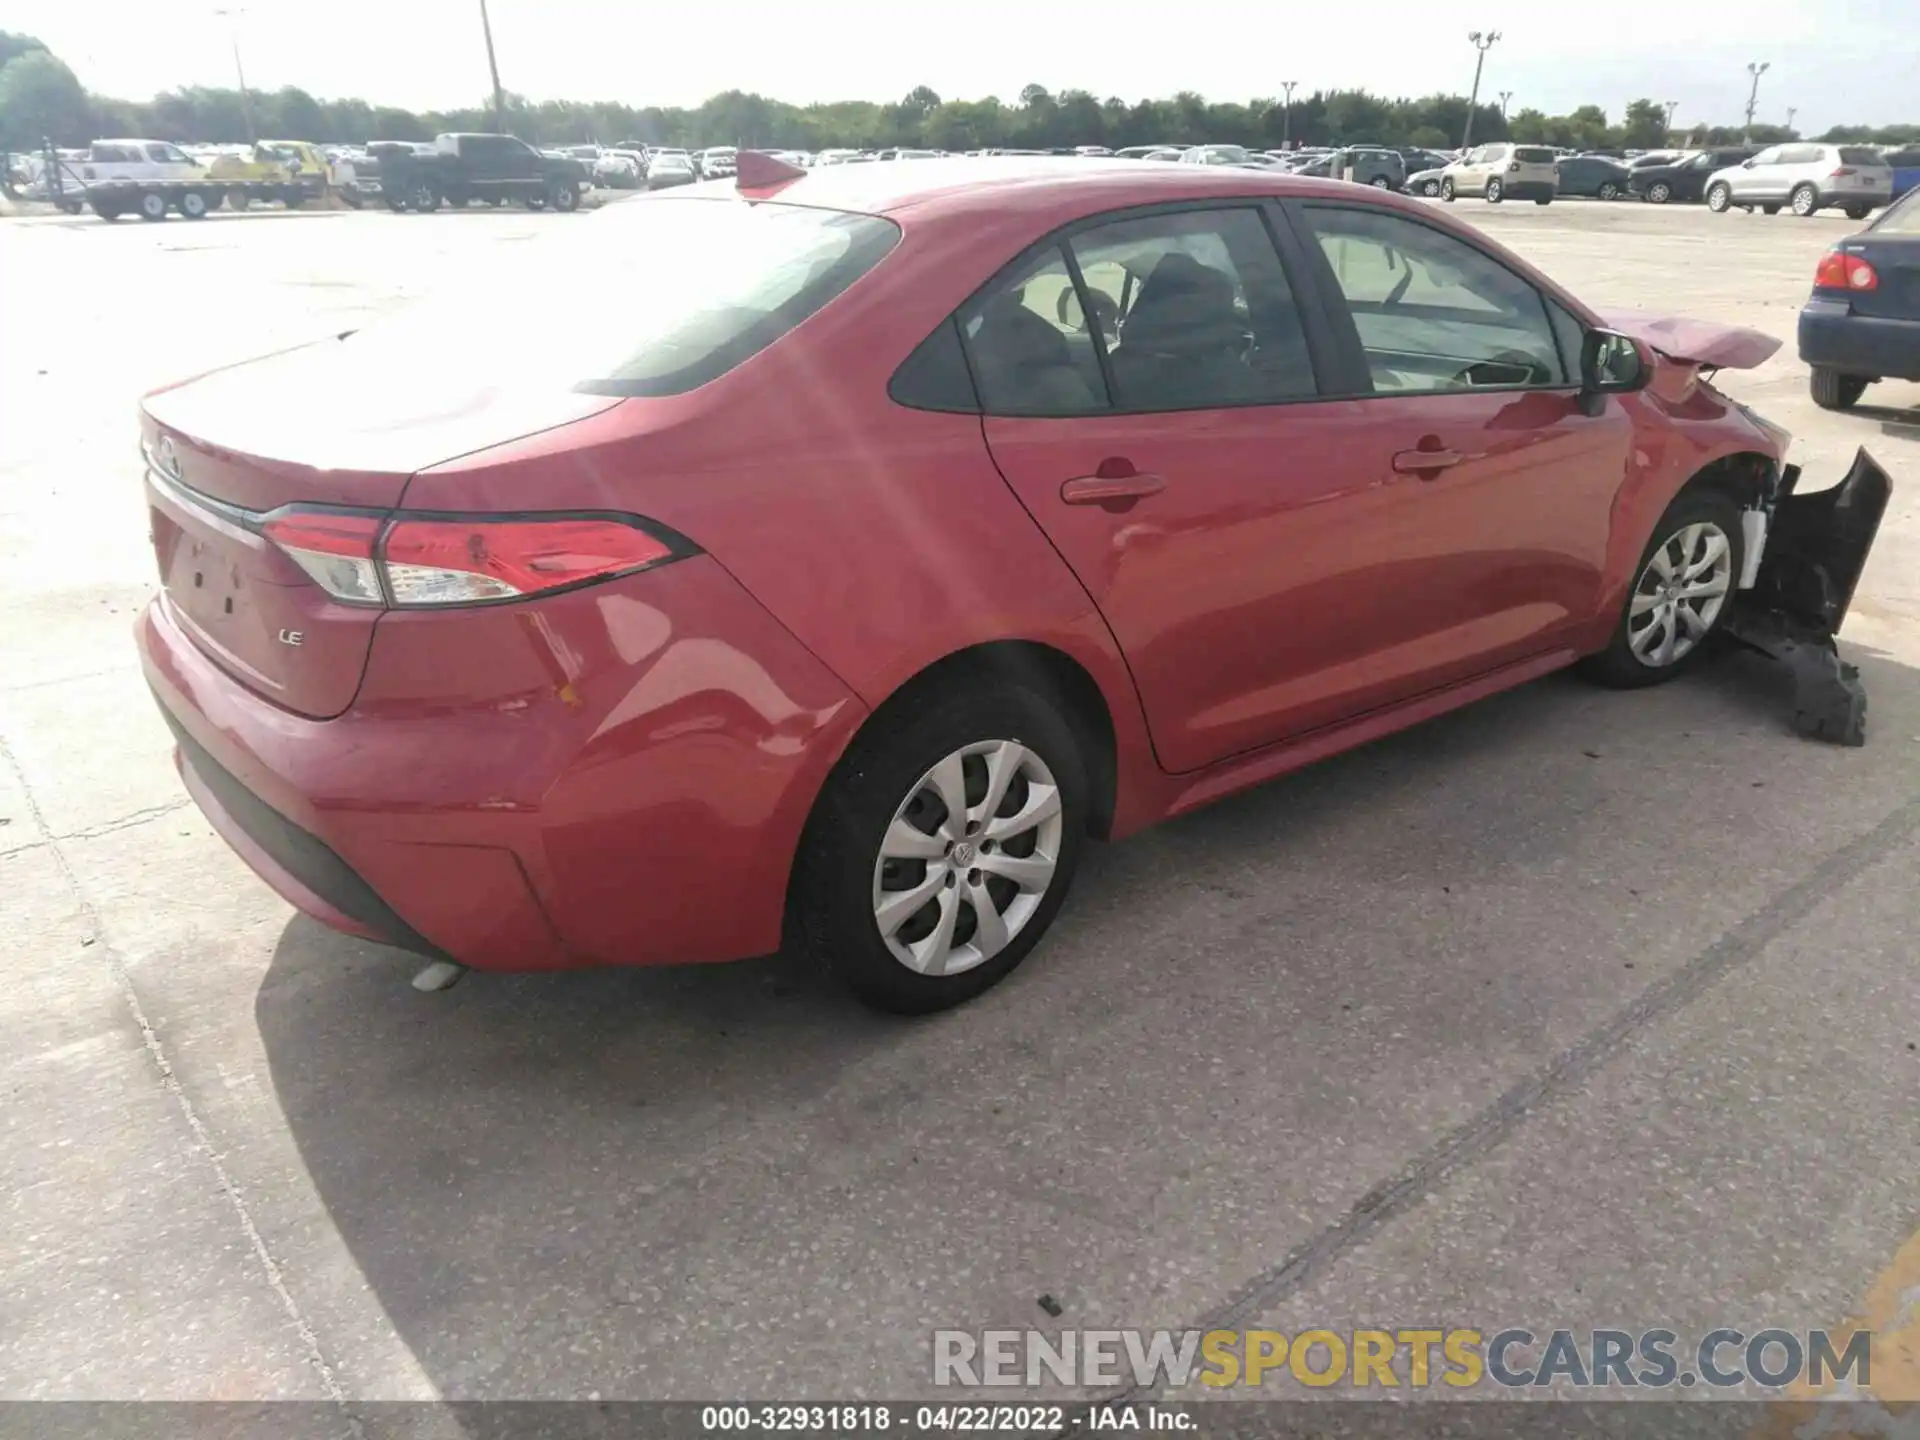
(830, 556)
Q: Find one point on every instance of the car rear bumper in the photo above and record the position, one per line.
(1528, 190)
(1834, 338)
(574, 781)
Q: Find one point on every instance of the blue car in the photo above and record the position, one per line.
(1862, 323)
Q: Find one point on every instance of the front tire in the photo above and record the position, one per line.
(153, 206)
(193, 205)
(564, 198)
(1859, 212)
(1769, 209)
(1805, 201)
(1680, 594)
(1719, 197)
(1430, 188)
(1380, 182)
(944, 845)
(1446, 191)
(1495, 192)
(1832, 390)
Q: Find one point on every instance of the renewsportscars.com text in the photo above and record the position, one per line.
(1415, 1359)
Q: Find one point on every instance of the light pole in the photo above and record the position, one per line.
(1791, 112)
(1286, 114)
(1755, 68)
(232, 16)
(1482, 43)
(493, 68)
(1672, 105)
(1505, 96)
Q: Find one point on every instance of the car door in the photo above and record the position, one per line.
(1151, 388)
(1505, 490)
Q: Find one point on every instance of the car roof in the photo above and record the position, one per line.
(1063, 187)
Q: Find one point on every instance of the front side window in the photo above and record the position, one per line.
(1776, 156)
(1432, 312)
(1193, 310)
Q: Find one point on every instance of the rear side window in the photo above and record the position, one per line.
(1029, 344)
(1533, 155)
(655, 297)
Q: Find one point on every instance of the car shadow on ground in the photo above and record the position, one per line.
(495, 1156)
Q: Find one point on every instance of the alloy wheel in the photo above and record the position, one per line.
(968, 857)
(1680, 594)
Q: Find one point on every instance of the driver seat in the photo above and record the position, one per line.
(1182, 344)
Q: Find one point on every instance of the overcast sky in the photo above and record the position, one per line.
(1834, 61)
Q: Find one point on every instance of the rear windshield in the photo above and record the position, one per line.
(656, 296)
(1903, 218)
(1533, 155)
(1860, 155)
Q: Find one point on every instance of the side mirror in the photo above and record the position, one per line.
(1611, 364)
(1746, 164)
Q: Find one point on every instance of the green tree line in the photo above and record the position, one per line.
(40, 96)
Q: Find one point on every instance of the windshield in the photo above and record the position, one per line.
(744, 275)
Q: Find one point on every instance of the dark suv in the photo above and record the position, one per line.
(1685, 178)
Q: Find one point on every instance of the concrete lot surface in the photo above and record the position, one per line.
(1572, 1009)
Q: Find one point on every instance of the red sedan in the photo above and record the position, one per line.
(832, 554)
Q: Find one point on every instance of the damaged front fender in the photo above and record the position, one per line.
(1816, 549)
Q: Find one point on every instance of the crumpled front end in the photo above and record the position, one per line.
(1815, 550)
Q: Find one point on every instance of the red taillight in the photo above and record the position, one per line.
(336, 550)
(1841, 271)
(456, 562)
(442, 561)
(1843, 170)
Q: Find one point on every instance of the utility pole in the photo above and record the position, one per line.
(1755, 68)
(1482, 43)
(232, 17)
(1791, 112)
(1286, 115)
(493, 67)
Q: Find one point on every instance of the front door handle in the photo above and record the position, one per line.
(1425, 463)
(1114, 490)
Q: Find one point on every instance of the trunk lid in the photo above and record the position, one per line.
(313, 426)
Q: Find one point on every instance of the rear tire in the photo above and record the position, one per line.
(1699, 542)
(423, 198)
(1719, 197)
(1430, 188)
(153, 206)
(1859, 212)
(1805, 201)
(1495, 192)
(1659, 192)
(238, 199)
(1769, 209)
(194, 205)
(1543, 199)
(564, 198)
(1832, 390)
(889, 784)
(1380, 182)
(1609, 190)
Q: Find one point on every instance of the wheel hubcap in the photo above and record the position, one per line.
(1679, 595)
(967, 858)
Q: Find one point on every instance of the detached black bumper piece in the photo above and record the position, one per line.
(1816, 548)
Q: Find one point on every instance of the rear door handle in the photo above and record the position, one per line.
(1111, 489)
(1425, 462)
